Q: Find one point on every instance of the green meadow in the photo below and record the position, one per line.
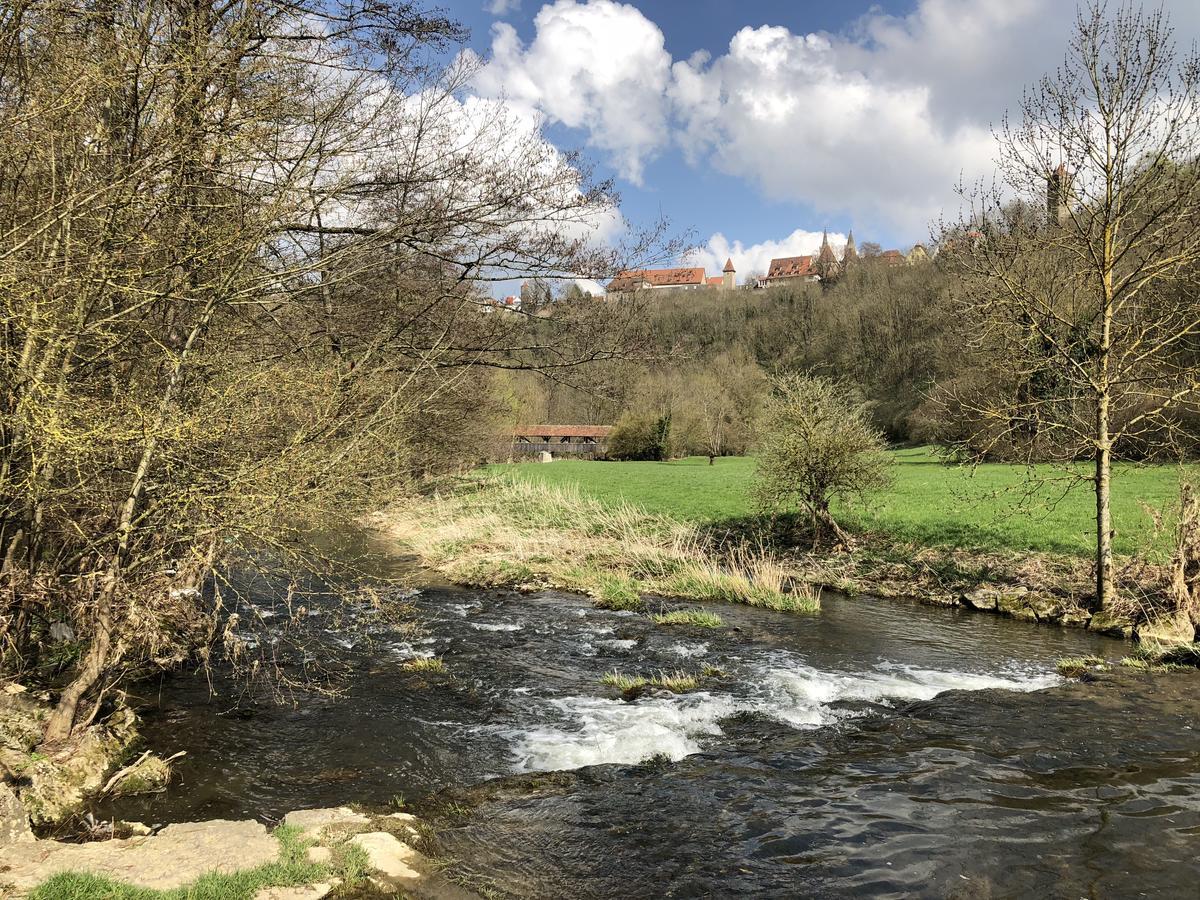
(996, 506)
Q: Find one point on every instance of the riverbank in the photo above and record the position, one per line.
(495, 533)
(312, 854)
(990, 508)
(513, 530)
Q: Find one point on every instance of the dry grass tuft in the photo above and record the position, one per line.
(1077, 666)
(429, 666)
(676, 682)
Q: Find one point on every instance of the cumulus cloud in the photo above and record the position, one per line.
(600, 66)
(876, 123)
(779, 111)
(757, 257)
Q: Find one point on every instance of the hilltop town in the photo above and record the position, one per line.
(826, 265)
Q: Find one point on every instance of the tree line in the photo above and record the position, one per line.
(709, 355)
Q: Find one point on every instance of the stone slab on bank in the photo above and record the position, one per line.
(175, 856)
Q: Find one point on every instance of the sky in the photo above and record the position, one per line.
(755, 125)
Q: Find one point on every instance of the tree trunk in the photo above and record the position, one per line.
(1104, 553)
(822, 520)
(1103, 382)
(1185, 575)
(62, 719)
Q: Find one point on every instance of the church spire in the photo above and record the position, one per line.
(827, 264)
(850, 256)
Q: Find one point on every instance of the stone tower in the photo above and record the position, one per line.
(1058, 196)
(850, 257)
(728, 276)
(827, 264)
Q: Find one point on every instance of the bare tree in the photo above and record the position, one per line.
(244, 255)
(1079, 271)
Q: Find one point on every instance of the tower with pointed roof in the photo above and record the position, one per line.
(850, 256)
(827, 264)
(728, 276)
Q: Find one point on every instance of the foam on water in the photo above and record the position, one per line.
(613, 731)
(800, 695)
(687, 651)
(618, 644)
(598, 730)
(501, 626)
(404, 651)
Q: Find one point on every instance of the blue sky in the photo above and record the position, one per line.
(756, 124)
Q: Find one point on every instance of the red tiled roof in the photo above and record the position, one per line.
(729, 265)
(892, 257)
(716, 281)
(593, 431)
(791, 267)
(635, 278)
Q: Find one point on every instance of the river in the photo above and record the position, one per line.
(878, 749)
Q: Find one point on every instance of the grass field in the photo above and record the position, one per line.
(992, 507)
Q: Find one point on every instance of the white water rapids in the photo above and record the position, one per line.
(588, 730)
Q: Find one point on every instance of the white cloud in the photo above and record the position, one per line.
(501, 7)
(876, 124)
(599, 66)
(780, 111)
(757, 257)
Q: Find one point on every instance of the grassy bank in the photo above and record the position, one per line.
(990, 508)
(505, 532)
(988, 538)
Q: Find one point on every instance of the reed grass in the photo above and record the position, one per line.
(677, 682)
(698, 617)
(433, 665)
(498, 532)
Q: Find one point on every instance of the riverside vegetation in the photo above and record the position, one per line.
(498, 532)
(246, 254)
(986, 537)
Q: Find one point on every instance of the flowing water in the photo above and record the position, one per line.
(878, 749)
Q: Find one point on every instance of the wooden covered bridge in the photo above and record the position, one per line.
(588, 441)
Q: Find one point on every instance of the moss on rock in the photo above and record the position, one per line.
(60, 783)
(148, 775)
(22, 721)
(1115, 624)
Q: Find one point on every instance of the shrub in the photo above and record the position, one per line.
(640, 437)
(816, 446)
